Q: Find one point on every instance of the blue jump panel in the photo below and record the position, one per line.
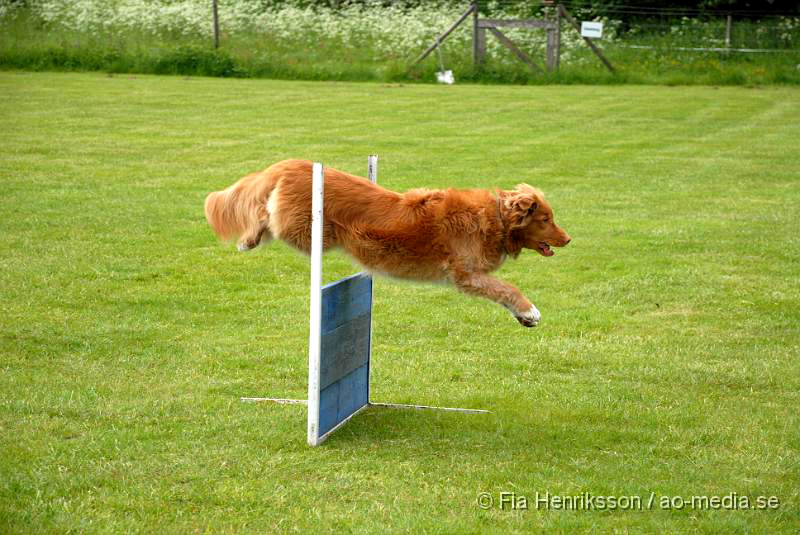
(345, 345)
(342, 398)
(345, 299)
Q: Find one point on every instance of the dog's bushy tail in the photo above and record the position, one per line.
(241, 208)
(223, 215)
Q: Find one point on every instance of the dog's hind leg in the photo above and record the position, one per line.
(258, 231)
(500, 292)
(254, 237)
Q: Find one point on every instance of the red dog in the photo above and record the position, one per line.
(453, 235)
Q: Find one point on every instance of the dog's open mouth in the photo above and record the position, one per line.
(544, 249)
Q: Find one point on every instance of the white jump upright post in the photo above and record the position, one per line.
(372, 174)
(315, 319)
(340, 336)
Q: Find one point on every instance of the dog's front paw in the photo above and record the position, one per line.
(243, 247)
(531, 318)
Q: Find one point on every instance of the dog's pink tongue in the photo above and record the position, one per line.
(548, 251)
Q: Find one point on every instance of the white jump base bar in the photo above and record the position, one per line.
(370, 404)
(340, 339)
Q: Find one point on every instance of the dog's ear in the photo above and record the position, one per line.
(521, 204)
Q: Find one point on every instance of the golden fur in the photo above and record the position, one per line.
(453, 235)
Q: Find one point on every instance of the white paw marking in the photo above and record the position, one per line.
(531, 318)
(242, 247)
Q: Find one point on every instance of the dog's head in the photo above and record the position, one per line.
(529, 220)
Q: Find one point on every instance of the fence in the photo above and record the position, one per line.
(368, 40)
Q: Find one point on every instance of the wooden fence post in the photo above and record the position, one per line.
(558, 39)
(216, 22)
(479, 39)
(728, 32)
(476, 50)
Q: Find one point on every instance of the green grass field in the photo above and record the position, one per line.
(666, 365)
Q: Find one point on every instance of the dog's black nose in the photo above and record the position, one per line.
(567, 242)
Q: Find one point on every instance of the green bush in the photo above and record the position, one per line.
(196, 60)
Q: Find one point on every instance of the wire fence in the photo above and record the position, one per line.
(370, 38)
(680, 28)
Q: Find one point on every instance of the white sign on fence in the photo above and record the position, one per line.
(592, 29)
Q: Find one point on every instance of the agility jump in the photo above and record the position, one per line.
(340, 337)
